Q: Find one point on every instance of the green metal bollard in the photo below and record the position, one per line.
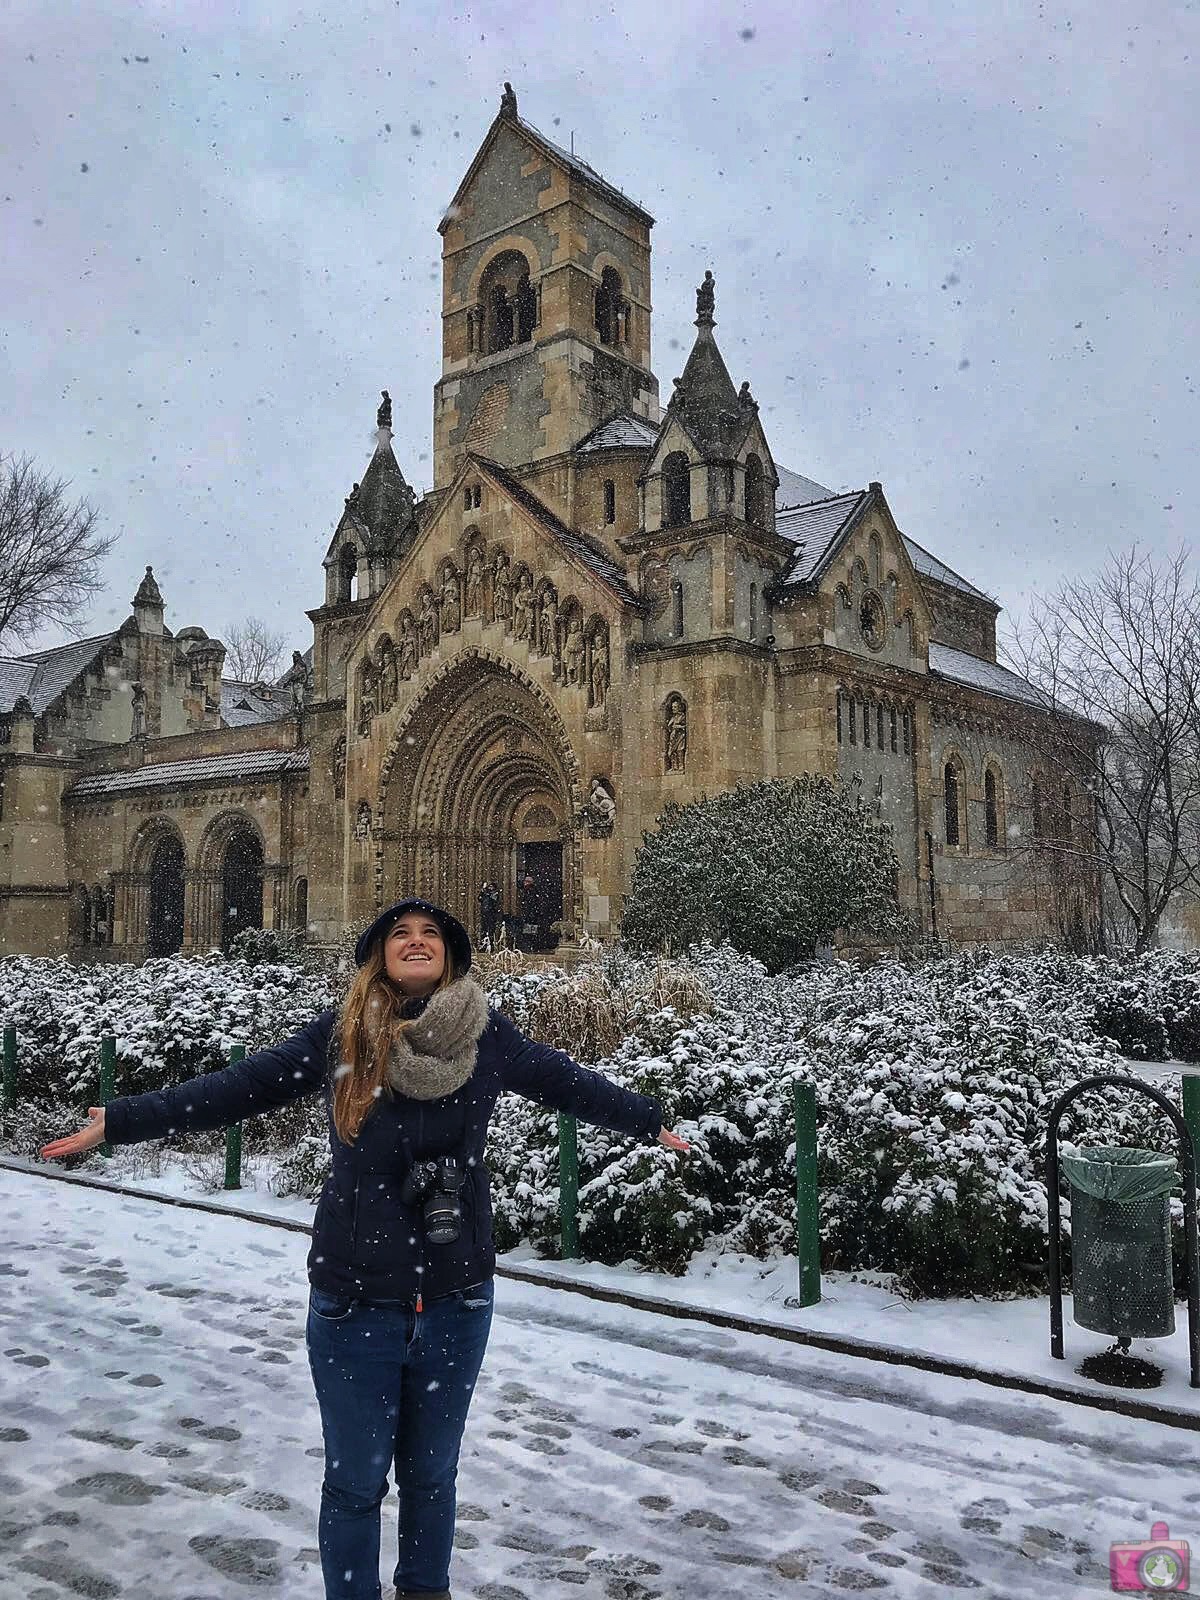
(808, 1216)
(1191, 1109)
(233, 1135)
(568, 1185)
(108, 1078)
(10, 1067)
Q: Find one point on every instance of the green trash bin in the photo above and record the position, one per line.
(1121, 1277)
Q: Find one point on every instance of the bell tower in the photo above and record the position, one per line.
(545, 303)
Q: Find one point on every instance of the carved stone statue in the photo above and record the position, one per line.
(474, 582)
(508, 101)
(706, 298)
(366, 698)
(676, 734)
(301, 682)
(548, 640)
(407, 664)
(427, 626)
(601, 809)
(600, 667)
(339, 767)
(362, 821)
(501, 590)
(138, 707)
(389, 684)
(523, 608)
(383, 417)
(573, 651)
(451, 610)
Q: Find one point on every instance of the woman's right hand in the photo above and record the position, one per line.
(76, 1143)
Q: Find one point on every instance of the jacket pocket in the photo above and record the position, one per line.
(329, 1307)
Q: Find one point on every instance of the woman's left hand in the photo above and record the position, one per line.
(672, 1140)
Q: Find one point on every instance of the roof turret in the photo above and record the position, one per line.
(705, 401)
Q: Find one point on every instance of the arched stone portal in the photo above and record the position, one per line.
(481, 783)
(241, 885)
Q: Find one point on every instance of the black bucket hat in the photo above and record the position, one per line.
(458, 941)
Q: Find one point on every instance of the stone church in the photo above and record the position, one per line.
(604, 604)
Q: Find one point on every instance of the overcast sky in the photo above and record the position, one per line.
(954, 250)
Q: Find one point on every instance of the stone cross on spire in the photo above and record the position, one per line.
(706, 301)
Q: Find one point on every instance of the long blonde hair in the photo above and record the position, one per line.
(370, 1020)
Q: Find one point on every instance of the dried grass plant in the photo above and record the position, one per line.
(589, 1012)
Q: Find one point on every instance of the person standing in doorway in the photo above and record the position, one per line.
(489, 910)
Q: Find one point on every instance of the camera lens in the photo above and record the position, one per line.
(443, 1218)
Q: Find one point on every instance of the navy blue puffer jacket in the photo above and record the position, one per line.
(367, 1243)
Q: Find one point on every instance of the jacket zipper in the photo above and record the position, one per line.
(354, 1224)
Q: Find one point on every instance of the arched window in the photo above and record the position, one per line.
(300, 907)
(953, 794)
(166, 897)
(850, 705)
(347, 574)
(879, 726)
(839, 716)
(241, 885)
(991, 808)
(101, 920)
(509, 302)
(893, 717)
(866, 725)
(677, 490)
(610, 500)
(755, 497)
(610, 308)
(677, 609)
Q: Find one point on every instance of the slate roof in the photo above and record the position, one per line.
(592, 555)
(43, 676)
(585, 171)
(930, 567)
(813, 530)
(990, 676)
(797, 490)
(244, 703)
(199, 769)
(383, 502)
(622, 432)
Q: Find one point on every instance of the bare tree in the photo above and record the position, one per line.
(1122, 650)
(253, 654)
(51, 551)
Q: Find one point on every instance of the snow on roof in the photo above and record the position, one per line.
(246, 703)
(990, 676)
(930, 567)
(622, 432)
(797, 490)
(199, 769)
(43, 676)
(812, 529)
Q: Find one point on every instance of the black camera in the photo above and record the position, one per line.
(438, 1184)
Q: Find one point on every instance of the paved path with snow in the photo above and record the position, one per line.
(159, 1438)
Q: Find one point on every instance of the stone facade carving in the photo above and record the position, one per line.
(427, 622)
(138, 710)
(598, 688)
(573, 651)
(362, 821)
(300, 682)
(339, 768)
(451, 608)
(409, 652)
(501, 590)
(367, 688)
(388, 675)
(523, 609)
(474, 582)
(601, 810)
(676, 734)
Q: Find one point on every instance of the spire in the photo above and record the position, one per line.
(383, 501)
(705, 400)
(148, 593)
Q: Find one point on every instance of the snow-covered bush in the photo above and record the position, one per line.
(774, 868)
(172, 1018)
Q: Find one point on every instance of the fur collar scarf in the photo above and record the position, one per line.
(434, 1054)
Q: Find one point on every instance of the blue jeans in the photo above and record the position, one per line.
(394, 1386)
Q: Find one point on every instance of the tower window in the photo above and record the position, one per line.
(610, 500)
(952, 798)
(839, 716)
(347, 574)
(853, 731)
(510, 303)
(866, 716)
(467, 498)
(753, 609)
(611, 310)
(893, 714)
(677, 609)
(755, 499)
(991, 809)
(677, 490)
(879, 725)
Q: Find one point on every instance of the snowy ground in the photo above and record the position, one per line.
(159, 1437)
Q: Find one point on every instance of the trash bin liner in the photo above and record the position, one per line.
(1121, 1241)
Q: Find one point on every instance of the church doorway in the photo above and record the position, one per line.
(539, 893)
(165, 931)
(241, 885)
(481, 786)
